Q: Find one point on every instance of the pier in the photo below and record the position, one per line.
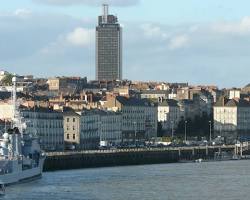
(136, 156)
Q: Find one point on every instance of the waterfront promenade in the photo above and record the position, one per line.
(134, 156)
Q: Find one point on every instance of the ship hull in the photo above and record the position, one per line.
(23, 176)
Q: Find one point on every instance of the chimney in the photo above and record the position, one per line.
(90, 98)
(81, 96)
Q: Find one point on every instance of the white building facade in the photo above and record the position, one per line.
(232, 119)
(47, 125)
(169, 114)
(99, 125)
(139, 118)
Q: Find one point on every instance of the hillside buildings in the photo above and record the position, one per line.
(66, 83)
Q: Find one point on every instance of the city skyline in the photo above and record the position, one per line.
(46, 39)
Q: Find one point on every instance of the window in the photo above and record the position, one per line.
(74, 136)
(73, 127)
(74, 119)
(67, 119)
(67, 136)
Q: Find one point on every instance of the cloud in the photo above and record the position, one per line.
(23, 13)
(88, 2)
(152, 31)
(178, 41)
(242, 27)
(81, 37)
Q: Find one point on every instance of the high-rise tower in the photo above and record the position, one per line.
(108, 47)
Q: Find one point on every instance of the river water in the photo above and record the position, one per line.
(209, 180)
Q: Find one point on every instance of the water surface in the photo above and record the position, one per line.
(183, 181)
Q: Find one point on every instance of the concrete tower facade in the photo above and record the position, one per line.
(108, 47)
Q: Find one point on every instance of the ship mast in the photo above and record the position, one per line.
(16, 120)
(14, 98)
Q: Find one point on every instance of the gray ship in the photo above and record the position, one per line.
(21, 158)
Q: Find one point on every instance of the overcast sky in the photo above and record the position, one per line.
(200, 42)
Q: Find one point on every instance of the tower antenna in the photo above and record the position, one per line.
(105, 12)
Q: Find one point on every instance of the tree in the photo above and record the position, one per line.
(7, 79)
(198, 126)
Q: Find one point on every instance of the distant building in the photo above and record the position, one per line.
(55, 84)
(66, 83)
(169, 114)
(71, 126)
(188, 109)
(234, 93)
(232, 118)
(204, 102)
(122, 91)
(162, 86)
(87, 129)
(110, 127)
(108, 47)
(6, 110)
(183, 93)
(47, 125)
(154, 94)
(139, 117)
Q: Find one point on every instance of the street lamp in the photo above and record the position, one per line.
(172, 123)
(185, 137)
(135, 131)
(210, 131)
(99, 130)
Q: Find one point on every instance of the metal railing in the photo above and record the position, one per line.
(146, 149)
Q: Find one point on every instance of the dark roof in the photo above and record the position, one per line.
(168, 102)
(186, 101)
(70, 113)
(248, 85)
(232, 102)
(154, 92)
(7, 95)
(38, 109)
(98, 112)
(132, 101)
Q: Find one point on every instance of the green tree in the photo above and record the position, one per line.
(7, 79)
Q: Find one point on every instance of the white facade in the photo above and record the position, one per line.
(110, 127)
(234, 94)
(6, 110)
(225, 119)
(232, 120)
(71, 126)
(140, 119)
(46, 124)
(168, 116)
(89, 126)
(154, 94)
